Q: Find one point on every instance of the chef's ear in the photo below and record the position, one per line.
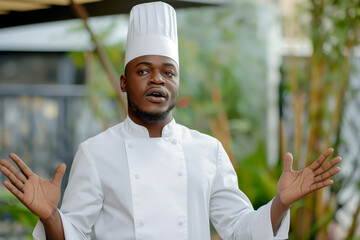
(123, 83)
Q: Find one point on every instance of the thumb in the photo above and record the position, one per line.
(288, 162)
(59, 173)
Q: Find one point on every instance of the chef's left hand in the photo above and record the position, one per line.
(294, 185)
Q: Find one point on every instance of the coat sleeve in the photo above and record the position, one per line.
(82, 201)
(231, 211)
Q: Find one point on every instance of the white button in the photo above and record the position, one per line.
(137, 176)
(141, 223)
(180, 174)
(174, 141)
(131, 145)
(180, 223)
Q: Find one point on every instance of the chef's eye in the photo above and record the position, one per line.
(143, 72)
(169, 74)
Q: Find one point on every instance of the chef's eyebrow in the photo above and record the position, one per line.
(145, 63)
(150, 64)
(169, 65)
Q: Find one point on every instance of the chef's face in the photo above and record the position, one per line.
(152, 84)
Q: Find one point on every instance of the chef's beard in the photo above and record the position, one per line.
(148, 116)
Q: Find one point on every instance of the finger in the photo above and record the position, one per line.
(327, 175)
(13, 179)
(318, 163)
(13, 170)
(328, 166)
(14, 190)
(288, 162)
(22, 166)
(319, 185)
(59, 174)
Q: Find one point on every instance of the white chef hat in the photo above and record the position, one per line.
(152, 31)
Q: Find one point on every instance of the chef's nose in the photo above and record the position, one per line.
(157, 79)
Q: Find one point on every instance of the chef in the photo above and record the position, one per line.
(149, 178)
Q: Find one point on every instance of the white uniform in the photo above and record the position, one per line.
(129, 186)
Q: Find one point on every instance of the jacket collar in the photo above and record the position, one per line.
(134, 130)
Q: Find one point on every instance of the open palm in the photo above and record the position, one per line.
(294, 185)
(39, 195)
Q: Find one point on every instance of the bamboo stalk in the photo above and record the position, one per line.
(220, 126)
(354, 224)
(284, 139)
(294, 88)
(82, 13)
(89, 59)
(339, 100)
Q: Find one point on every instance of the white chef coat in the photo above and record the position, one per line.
(125, 185)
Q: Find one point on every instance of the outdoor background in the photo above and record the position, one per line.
(264, 77)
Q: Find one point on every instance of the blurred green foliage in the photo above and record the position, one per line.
(226, 54)
(11, 207)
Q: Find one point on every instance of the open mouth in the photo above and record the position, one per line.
(156, 95)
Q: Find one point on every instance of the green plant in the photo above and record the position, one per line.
(11, 206)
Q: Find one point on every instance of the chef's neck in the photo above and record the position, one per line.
(154, 128)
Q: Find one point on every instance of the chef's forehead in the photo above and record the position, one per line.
(153, 60)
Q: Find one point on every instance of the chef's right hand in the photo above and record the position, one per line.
(39, 195)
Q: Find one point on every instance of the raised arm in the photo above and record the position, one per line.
(294, 185)
(39, 195)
